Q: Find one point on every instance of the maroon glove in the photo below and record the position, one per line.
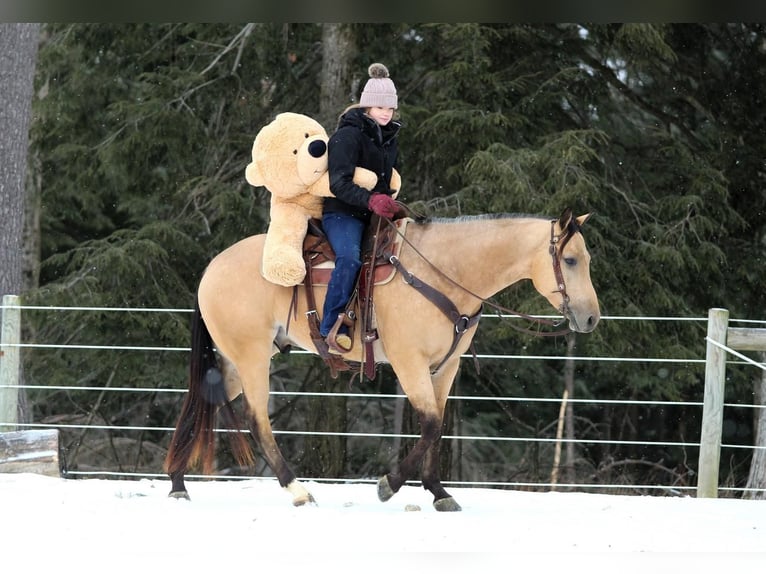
(382, 204)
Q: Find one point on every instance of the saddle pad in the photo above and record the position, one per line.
(384, 272)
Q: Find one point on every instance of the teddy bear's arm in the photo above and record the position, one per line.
(283, 250)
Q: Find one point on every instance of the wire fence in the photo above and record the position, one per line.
(112, 428)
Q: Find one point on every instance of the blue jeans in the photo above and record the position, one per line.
(344, 232)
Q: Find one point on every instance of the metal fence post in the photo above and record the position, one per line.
(712, 408)
(10, 337)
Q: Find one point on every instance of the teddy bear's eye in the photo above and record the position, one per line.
(295, 152)
(306, 136)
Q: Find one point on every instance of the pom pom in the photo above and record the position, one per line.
(377, 70)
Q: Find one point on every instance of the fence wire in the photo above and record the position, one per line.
(671, 489)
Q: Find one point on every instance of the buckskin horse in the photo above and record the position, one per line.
(241, 321)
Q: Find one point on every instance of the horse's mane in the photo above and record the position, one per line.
(482, 217)
(571, 230)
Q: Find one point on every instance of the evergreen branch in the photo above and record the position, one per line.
(609, 75)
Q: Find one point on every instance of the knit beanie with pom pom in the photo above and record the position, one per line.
(379, 91)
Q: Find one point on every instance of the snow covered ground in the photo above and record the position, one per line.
(55, 525)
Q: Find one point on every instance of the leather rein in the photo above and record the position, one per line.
(463, 322)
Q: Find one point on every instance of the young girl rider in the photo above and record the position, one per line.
(366, 137)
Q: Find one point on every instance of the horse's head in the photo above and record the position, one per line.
(563, 277)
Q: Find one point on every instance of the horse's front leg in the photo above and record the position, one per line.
(426, 451)
(430, 430)
(443, 501)
(442, 383)
(428, 401)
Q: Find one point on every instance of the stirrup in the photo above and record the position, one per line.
(335, 346)
(332, 336)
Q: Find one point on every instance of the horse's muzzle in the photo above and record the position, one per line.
(582, 322)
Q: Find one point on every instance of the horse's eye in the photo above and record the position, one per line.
(571, 261)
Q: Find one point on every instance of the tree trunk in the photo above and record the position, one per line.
(399, 407)
(337, 89)
(18, 53)
(757, 476)
(326, 455)
(569, 369)
(31, 243)
(18, 56)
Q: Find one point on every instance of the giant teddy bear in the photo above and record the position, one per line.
(290, 160)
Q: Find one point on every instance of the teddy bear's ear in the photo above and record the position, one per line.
(253, 175)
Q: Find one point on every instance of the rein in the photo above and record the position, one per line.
(555, 252)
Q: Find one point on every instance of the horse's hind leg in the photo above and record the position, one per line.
(260, 428)
(255, 383)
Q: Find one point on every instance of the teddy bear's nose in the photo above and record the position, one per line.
(317, 148)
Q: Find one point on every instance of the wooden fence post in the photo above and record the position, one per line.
(10, 337)
(712, 408)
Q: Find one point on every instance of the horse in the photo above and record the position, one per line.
(241, 321)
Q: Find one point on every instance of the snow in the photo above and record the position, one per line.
(57, 525)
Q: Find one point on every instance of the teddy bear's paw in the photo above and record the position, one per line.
(284, 274)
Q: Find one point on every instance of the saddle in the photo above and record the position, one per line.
(380, 242)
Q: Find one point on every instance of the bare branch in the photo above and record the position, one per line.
(240, 37)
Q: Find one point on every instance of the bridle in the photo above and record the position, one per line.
(556, 255)
(555, 248)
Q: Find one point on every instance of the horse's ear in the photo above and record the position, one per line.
(583, 219)
(565, 219)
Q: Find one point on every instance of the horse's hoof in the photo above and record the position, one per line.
(301, 496)
(304, 500)
(385, 492)
(448, 504)
(179, 494)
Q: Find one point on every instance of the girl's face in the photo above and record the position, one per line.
(381, 115)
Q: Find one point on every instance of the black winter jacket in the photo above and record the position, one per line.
(359, 142)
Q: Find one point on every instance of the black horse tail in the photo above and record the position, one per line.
(193, 441)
